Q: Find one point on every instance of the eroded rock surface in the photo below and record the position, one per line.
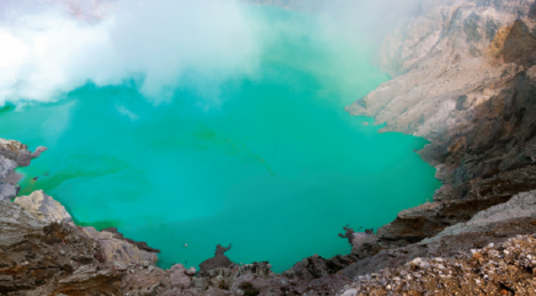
(43, 206)
(42, 258)
(120, 252)
(43, 255)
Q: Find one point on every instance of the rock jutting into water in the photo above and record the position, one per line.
(12, 155)
(141, 245)
(43, 207)
(218, 261)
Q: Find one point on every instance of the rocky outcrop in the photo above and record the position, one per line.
(364, 244)
(18, 152)
(119, 252)
(42, 255)
(42, 258)
(218, 261)
(494, 225)
(415, 224)
(43, 207)
(518, 215)
(141, 245)
(13, 154)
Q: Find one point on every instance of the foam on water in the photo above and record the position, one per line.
(276, 167)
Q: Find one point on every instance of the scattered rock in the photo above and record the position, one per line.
(484, 274)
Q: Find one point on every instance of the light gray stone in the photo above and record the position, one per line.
(44, 207)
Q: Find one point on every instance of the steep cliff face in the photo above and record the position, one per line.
(464, 78)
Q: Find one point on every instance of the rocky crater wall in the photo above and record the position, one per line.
(464, 77)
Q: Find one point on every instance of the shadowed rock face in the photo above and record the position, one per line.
(47, 258)
(141, 245)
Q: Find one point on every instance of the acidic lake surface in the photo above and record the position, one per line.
(276, 168)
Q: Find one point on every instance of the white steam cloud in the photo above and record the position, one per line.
(49, 50)
(51, 47)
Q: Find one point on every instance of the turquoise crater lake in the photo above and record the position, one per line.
(276, 168)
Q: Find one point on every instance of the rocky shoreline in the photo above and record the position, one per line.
(464, 78)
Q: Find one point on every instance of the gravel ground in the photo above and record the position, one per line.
(502, 269)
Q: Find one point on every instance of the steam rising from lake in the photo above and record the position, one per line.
(48, 52)
(51, 47)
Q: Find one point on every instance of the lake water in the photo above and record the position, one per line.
(273, 165)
